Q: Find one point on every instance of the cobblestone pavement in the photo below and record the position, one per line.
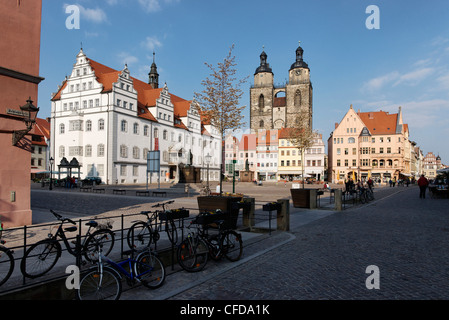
(325, 257)
(404, 236)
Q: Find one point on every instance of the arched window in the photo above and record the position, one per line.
(165, 135)
(88, 125)
(297, 98)
(100, 124)
(124, 126)
(100, 150)
(123, 151)
(261, 103)
(61, 128)
(351, 140)
(61, 151)
(88, 150)
(136, 128)
(136, 153)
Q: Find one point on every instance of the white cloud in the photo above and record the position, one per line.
(150, 5)
(379, 82)
(151, 43)
(126, 58)
(414, 77)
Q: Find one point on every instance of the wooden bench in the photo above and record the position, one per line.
(161, 193)
(119, 191)
(98, 190)
(143, 193)
(85, 189)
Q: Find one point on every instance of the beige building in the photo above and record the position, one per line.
(369, 144)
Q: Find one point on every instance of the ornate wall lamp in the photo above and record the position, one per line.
(29, 112)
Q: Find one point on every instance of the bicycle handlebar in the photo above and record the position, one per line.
(61, 218)
(162, 204)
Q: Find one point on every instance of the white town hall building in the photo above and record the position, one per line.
(109, 121)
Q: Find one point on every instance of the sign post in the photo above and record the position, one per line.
(153, 165)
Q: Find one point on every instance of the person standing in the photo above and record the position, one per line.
(422, 183)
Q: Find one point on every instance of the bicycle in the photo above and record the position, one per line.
(205, 191)
(105, 282)
(194, 251)
(366, 195)
(6, 260)
(142, 233)
(42, 256)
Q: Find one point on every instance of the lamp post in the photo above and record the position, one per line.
(52, 161)
(29, 112)
(208, 158)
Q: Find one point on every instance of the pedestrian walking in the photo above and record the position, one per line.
(422, 183)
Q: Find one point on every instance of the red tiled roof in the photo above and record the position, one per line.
(146, 95)
(379, 122)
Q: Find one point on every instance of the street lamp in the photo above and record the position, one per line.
(52, 161)
(29, 112)
(208, 159)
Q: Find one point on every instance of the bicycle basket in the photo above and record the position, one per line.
(174, 214)
(206, 218)
(105, 224)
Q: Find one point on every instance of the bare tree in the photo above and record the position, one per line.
(219, 100)
(301, 136)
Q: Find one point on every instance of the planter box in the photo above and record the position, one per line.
(227, 204)
(304, 198)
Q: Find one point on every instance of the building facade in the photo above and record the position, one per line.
(110, 121)
(20, 25)
(291, 165)
(369, 144)
(276, 106)
(431, 163)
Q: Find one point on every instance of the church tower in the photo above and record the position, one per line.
(276, 107)
(153, 79)
(299, 89)
(261, 96)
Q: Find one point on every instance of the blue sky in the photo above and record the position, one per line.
(404, 63)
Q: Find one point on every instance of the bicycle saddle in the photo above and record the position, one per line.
(92, 224)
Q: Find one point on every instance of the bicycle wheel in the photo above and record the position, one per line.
(362, 198)
(96, 285)
(232, 246)
(149, 270)
(192, 254)
(139, 235)
(40, 258)
(6, 264)
(103, 237)
(172, 231)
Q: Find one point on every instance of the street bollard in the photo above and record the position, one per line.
(283, 215)
(337, 198)
(248, 220)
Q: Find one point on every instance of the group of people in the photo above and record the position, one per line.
(400, 182)
(360, 185)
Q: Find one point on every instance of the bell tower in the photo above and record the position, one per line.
(153, 79)
(261, 96)
(299, 89)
